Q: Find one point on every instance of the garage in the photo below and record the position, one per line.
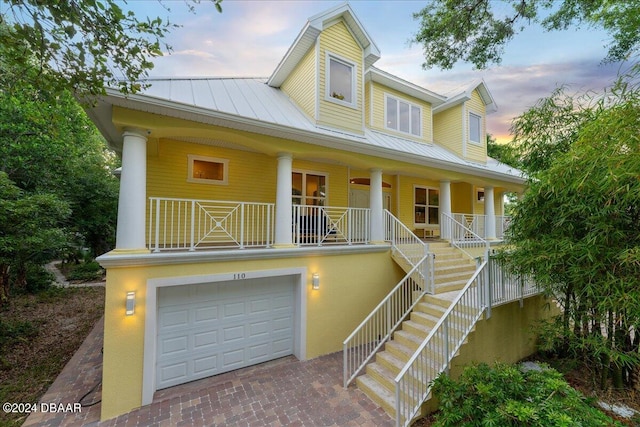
(209, 328)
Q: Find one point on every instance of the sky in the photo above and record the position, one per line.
(249, 38)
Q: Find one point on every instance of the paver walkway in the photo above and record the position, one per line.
(283, 392)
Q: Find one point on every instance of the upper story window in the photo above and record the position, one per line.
(403, 116)
(474, 128)
(207, 170)
(341, 80)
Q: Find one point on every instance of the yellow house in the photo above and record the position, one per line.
(264, 217)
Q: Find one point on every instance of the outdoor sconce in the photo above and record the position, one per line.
(315, 281)
(130, 303)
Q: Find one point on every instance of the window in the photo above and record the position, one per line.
(403, 116)
(341, 80)
(474, 127)
(309, 189)
(480, 195)
(207, 170)
(426, 205)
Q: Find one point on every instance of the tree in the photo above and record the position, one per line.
(79, 45)
(504, 153)
(31, 232)
(475, 31)
(577, 230)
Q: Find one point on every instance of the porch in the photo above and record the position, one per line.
(176, 224)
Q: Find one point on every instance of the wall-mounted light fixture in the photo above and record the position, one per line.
(130, 303)
(315, 281)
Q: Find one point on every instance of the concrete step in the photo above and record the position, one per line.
(435, 310)
(399, 350)
(408, 339)
(443, 279)
(391, 361)
(450, 286)
(455, 268)
(415, 328)
(423, 318)
(376, 392)
(382, 375)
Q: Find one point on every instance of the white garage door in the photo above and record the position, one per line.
(211, 328)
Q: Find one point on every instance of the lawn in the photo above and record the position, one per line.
(38, 335)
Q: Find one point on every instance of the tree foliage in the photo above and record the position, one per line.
(79, 45)
(577, 228)
(477, 31)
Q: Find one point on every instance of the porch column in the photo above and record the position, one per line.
(132, 199)
(375, 204)
(284, 235)
(490, 214)
(445, 208)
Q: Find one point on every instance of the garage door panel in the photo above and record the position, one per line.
(211, 328)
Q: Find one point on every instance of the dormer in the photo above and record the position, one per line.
(323, 71)
(460, 122)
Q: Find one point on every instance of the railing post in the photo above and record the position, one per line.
(319, 226)
(350, 226)
(242, 225)
(445, 325)
(157, 248)
(268, 237)
(193, 225)
(487, 285)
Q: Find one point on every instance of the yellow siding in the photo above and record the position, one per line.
(167, 174)
(379, 107)
(338, 40)
(301, 84)
(367, 103)
(352, 285)
(447, 129)
(461, 197)
(477, 152)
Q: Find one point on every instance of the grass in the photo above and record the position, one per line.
(38, 335)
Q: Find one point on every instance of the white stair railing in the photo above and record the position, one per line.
(489, 286)
(463, 237)
(376, 329)
(403, 241)
(413, 383)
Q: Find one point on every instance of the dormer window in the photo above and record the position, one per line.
(403, 116)
(341, 80)
(474, 128)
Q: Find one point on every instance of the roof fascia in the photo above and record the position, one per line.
(401, 85)
(307, 37)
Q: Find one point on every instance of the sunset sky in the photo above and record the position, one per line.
(250, 37)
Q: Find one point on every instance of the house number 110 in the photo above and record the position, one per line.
(239, 276)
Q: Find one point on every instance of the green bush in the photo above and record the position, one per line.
(14, 331)
(85, 271)
(505, 395)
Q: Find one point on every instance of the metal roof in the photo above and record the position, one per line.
(251, 104)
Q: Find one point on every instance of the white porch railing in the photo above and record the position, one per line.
(184, 224)
(376, 329)
(502, 225)
(475, 223)
(462, 237)
(489, 286)
(328, 225)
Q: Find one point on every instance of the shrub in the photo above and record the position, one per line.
(85, 271)
(505, 395)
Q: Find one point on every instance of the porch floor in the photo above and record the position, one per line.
(283, 392)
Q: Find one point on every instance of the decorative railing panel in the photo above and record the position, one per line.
(327, 225)
(462, 237)
(184, 224)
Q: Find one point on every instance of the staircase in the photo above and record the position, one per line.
(453, 269)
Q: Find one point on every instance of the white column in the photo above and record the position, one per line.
(132, 200)
(490, 214)
(284, 235)
(376, 206)
(445, 207)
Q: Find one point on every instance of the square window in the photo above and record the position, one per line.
(403, 116)
(207, 170)
(426, 205)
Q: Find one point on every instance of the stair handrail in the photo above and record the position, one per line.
(402, 238)
(455, 229)
(376, 329)
(413, 383)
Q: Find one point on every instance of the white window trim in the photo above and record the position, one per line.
(411, 104)
(427, 205)
(306, 172)
(225, 171)
(354, 80)
(479, 116)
